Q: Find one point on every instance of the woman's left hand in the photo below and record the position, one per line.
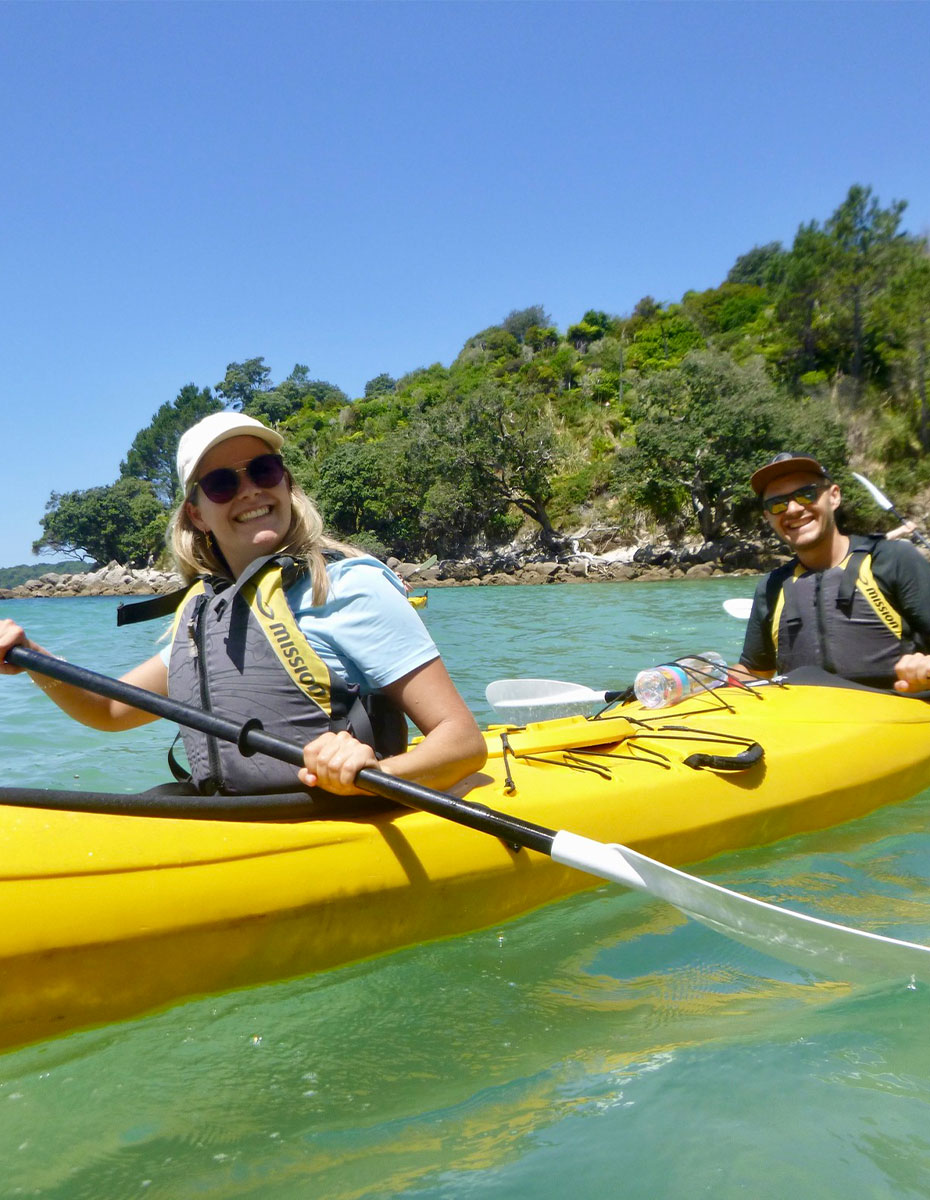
(332, 761)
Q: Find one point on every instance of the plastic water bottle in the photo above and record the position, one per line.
(659, 687)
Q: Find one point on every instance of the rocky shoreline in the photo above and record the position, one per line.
(642, 563)
(111, 580)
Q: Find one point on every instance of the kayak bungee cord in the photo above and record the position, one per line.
(819, 946)
(579, 759)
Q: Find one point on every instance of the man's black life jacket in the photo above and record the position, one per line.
(838, 619)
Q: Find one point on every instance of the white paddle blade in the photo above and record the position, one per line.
(522, 701)
(736, 606)
(879, 497)
(822, 947)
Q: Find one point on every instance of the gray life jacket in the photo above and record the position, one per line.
(237, 650)
(838, 619)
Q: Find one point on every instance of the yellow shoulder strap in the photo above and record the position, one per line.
(780, 603)
(866, 584)
(268, 603)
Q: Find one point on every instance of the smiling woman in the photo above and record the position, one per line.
(241, 501)
(283, 624)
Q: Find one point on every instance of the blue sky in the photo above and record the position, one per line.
(360, 187)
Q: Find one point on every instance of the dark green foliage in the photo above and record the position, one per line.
(242, 381)
(646, 308)
(762, 266)
(153, 453)
(867, 252)
(379, 386)
(701, 430)
(601, 321)
(593, 326)
(502, 447)
(367, 488)
(829, 300)
(123, 522)
(294, 397)
(520, 320)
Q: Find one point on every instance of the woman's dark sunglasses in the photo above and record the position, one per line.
(265, 471)
(807, 495)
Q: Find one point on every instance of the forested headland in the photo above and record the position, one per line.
(619, 428)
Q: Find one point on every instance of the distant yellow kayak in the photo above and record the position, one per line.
(107, 915)
(419, 601)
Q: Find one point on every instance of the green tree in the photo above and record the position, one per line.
(601, 321)
(123, 522)
(519, 320)
(276, 405)
(367, 490)
(565, 367)
(506, 446)
(662, 340)
(906, 311)
(295, 396)
(799, 311)
(725, 309)
(241, 382)
(761, 266)
(830, 294)
(539, 338)
(646, 308)
(866, 250)
(582, 335)
(381, 385)
(703, 428)
(153, 453)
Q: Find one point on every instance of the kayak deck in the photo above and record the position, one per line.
(110, 915)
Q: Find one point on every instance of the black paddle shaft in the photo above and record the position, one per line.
(252, 739)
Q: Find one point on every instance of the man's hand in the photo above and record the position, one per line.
(913, 672)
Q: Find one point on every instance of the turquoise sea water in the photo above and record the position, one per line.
(601, 1046)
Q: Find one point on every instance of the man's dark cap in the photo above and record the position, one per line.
(786, 463)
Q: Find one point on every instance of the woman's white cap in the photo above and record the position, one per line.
(212, 430)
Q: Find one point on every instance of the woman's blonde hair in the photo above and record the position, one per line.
(196, 553)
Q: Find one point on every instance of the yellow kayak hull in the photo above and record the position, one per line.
(108, 916)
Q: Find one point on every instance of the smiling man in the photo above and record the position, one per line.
(858, 607)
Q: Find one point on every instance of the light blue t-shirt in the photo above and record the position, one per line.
(367, 630)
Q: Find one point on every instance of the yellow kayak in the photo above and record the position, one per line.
(108, 915)
(419, 601)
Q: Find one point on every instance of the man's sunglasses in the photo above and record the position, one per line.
(265, 471)
(807, 495)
